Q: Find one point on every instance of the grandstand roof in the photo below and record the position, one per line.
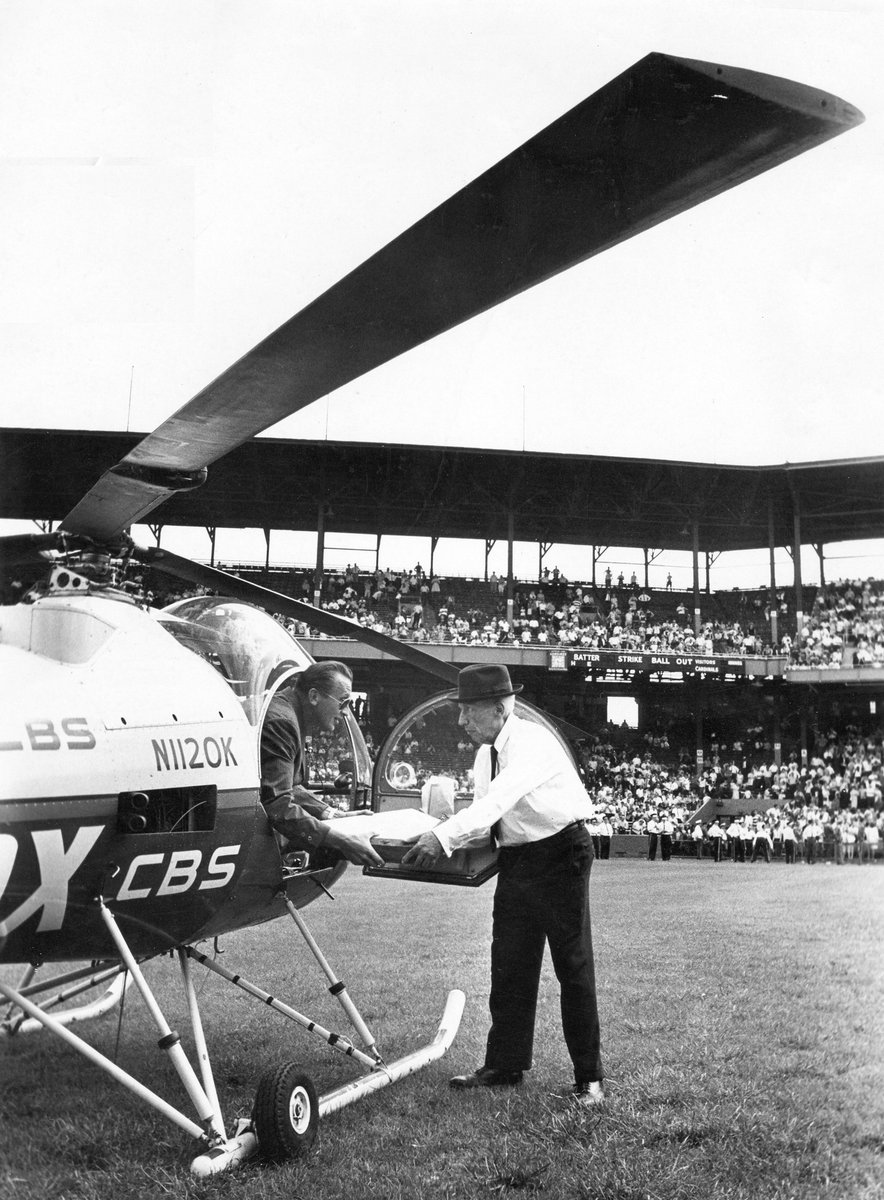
(468, 493)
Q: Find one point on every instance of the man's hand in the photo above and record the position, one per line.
(355, 847)
(426, 851)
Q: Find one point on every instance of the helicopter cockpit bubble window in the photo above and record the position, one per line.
(257, 656)
(427, 760)
(244, 643)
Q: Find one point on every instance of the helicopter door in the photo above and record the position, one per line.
(426, 766)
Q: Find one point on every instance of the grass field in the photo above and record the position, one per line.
(743, 1031)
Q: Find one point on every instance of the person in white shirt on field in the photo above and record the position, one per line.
(697, 837)
(652, 829)
(529, 794)
(734, 834)
(717, 837)
(667, 829)
(761, 844)
(786, 833)
(811, 839)
(871, 838)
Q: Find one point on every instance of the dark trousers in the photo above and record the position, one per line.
(605, 846)
(543, 896)
(652, 846)
(665, 846)
(789, 849)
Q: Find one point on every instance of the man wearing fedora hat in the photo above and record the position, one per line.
(528, 794)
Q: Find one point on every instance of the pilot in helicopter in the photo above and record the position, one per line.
(311, 702)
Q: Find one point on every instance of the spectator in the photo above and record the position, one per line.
(717, 839)
(810, 839)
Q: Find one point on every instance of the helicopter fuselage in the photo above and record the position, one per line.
(128, 771)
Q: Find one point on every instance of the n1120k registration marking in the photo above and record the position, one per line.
(190, 753)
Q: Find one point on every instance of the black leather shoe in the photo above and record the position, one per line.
(590, 1095)
(486, 1077)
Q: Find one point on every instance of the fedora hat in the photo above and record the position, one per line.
(481, 682)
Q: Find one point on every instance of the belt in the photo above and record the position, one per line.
(559, 835)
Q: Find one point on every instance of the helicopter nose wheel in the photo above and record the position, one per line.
(286, 1113)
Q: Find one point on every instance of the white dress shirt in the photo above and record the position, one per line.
(535, 793)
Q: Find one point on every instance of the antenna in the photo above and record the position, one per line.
(129, 409)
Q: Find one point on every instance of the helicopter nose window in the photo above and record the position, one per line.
(257, 656)
(246, 645)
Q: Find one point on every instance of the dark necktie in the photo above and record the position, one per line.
(495, 828)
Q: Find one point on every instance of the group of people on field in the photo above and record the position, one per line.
(852, 837)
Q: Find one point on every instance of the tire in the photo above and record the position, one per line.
(286, 1113)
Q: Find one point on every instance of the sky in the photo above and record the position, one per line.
(178, 178)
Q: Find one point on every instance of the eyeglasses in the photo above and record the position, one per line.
(343, 702)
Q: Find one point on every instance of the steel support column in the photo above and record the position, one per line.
(698, 732)
(320, 553)
(796, 561)
(510, 537)
(774, 639)
(695, 558)
(543, 548)
(490, 543)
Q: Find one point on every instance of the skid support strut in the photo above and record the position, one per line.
(169, 1039)
(337, 989)
(341, 1044)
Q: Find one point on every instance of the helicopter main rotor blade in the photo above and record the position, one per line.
(278, 602)
(660, 138)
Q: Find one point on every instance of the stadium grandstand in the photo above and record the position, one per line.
(756, 710)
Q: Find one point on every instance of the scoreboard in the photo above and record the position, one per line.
(600, 663)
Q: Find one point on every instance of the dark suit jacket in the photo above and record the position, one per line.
(293, 810)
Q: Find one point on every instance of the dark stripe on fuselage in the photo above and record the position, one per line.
(163, 887)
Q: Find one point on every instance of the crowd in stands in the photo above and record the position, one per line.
(845, 627)
(415, 606)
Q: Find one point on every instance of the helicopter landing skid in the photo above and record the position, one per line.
(287, 1109)
(14, 1023)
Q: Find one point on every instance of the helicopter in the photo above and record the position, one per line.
(132, 823)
